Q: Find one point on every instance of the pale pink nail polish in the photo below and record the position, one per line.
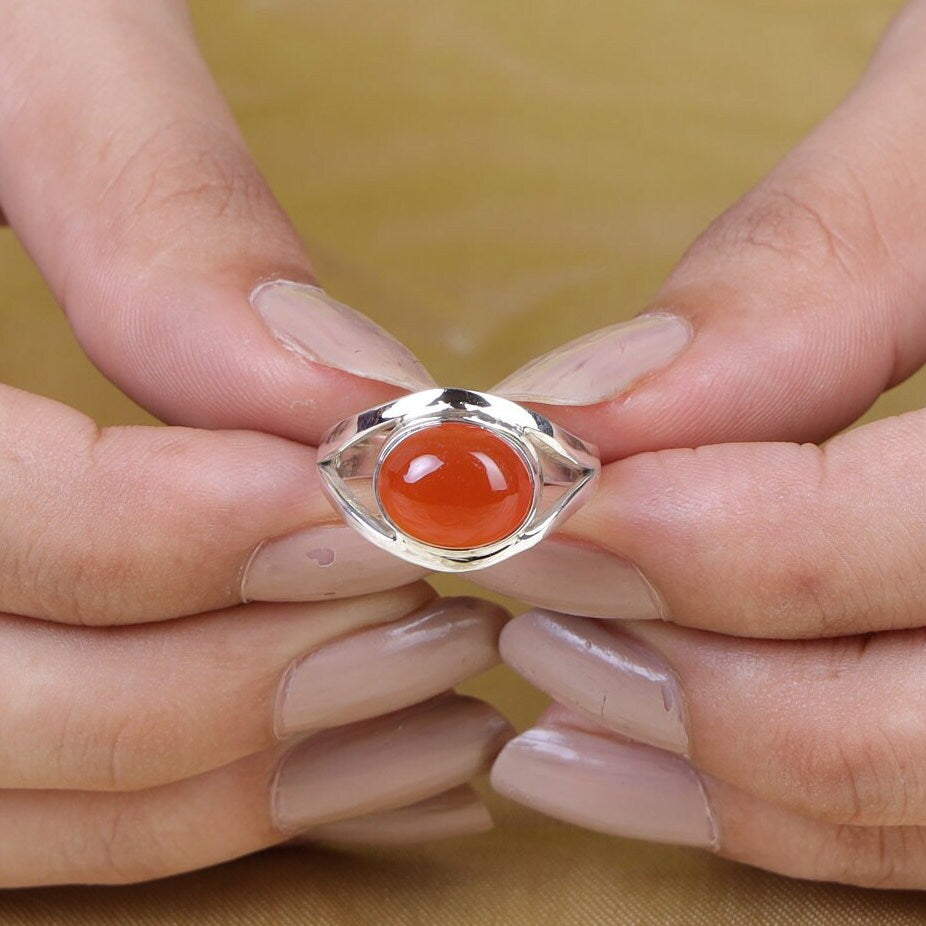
(450, 815)
(327, 561)
(568, 575)
(307, 321)
(390, 666)
(386, 762)
(601, 365)
(625, 789)
(600, 671)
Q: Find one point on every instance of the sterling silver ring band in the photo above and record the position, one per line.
(411, 480)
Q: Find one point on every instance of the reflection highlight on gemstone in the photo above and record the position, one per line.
(422, 466)
(494, 476)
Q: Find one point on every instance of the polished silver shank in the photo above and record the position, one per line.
(354, 449)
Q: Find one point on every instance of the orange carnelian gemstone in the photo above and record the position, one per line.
(455, 485)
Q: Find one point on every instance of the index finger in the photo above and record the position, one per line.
(793, 311)
(133, 190)
(141, 524)
(763, 540)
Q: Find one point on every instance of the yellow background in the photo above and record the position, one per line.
(488, 178)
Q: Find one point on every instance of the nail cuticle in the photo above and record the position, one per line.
(713, 842)
(673, 691)
(659, 604)
(245, 571)
(279, 728)
(277, 793)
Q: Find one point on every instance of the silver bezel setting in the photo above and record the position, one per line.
(355, 448)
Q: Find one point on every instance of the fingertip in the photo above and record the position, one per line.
(194, 351)
(155, 230)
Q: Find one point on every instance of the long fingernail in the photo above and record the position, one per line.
(390, 666)
(328, 561)
(384, 763)
(625, 789)
(600, 671)
(601, 365)
(455, 813)
(307, 321)
(568, 575)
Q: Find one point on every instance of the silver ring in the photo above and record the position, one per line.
(454, 479)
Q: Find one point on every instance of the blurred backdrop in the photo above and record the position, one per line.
(488, 178)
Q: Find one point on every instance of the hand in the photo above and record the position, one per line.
(766, 699)
(152, 723)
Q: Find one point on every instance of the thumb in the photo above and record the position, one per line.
(794, 310)
(131, 187)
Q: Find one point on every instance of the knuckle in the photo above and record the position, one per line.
(875, 856)
(854, 779)
(115, 844)
(802, 595)
(86, 586)
(810, 221)
(125, 844)
(791, 225)
(78, 583)
(109, 550)
(798, 594)
(64, 565)
(44, 580)
(121, 753)
(142, 748)
(118, 748)
(107, 841)
(184, 175)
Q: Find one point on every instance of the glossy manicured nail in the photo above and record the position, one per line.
(625, 789)
(454, 813)
(390, 666)
(386, 762)
(328, 561)
(599, 670)
(600, 365)
(307, 321)
(578, 578)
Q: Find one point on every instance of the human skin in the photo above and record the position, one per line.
(152, 720)
(772, 581)
(780, 684)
